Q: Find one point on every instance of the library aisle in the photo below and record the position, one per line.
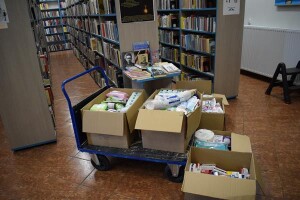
(59, 171)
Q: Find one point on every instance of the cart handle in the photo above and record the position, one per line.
(99, 69)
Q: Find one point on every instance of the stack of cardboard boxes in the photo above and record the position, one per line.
(172, 131)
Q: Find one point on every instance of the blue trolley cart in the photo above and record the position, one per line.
(101, 156)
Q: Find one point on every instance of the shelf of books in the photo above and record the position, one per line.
(187, 35)
(42, 50)
(95, 38)
(53, 16)
(203, 40)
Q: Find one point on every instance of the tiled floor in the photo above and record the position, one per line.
(59, 171)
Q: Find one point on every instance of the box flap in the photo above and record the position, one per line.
(132, 112)
(200, 85)
(193, 121)
(159, 120)
(258, 175)
(241, 143)
(223, 97)
(103, 122)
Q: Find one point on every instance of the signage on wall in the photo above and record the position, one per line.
(287, 2)
(136, 10)
(231, 7)
(3, 15)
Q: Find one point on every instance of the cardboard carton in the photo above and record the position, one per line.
(213, 121)
(202, 86)
(239, 143)
(206, 185)
(111, 128)
(167, 130)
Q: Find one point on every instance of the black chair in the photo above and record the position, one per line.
(288, 85)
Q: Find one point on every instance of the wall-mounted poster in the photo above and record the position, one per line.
(287, 2)
(136, 10)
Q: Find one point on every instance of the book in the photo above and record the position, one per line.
(137, 75)
(93, 44)
(136, 46)
(156, 71)
(168, 67)
(139, 58)
(128, 59)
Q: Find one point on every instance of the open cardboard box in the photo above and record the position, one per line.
(112, 129)
(239, 143)
(199, 185)
(167, 130)
(212, 121)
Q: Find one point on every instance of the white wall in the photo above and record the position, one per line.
(265, 13)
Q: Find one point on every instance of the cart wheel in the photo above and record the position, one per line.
(104, 163)
(175, 179)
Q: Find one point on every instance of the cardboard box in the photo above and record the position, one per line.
(213, 121)
(239, 143)
(110, 140)
(206, 185)
(167, 130)
(108, 124)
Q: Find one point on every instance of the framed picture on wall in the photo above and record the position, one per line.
(136, 10)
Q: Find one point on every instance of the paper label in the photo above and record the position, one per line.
(231, 7)
(3, 15)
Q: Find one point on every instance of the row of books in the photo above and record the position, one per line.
(197, 62)
(52, 22)
(192, 4)
(44, 6)
(199, 23)
(96, 45)
(169, 21)
(198, 43)
(170, 37)
(53, 30)
(114, 74)
(107, 6)
(110, 30)
(50, 14)
(58, 47)
(63, 13)
(71, 2)
(54, 38)
(87, 52)
(94, 7)
(102, 6)
(63, 4)
(77, 10)
(167, 4)
(184, 76)
(112, 53)
(170, 53)
(81, 36)
(94, 26)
